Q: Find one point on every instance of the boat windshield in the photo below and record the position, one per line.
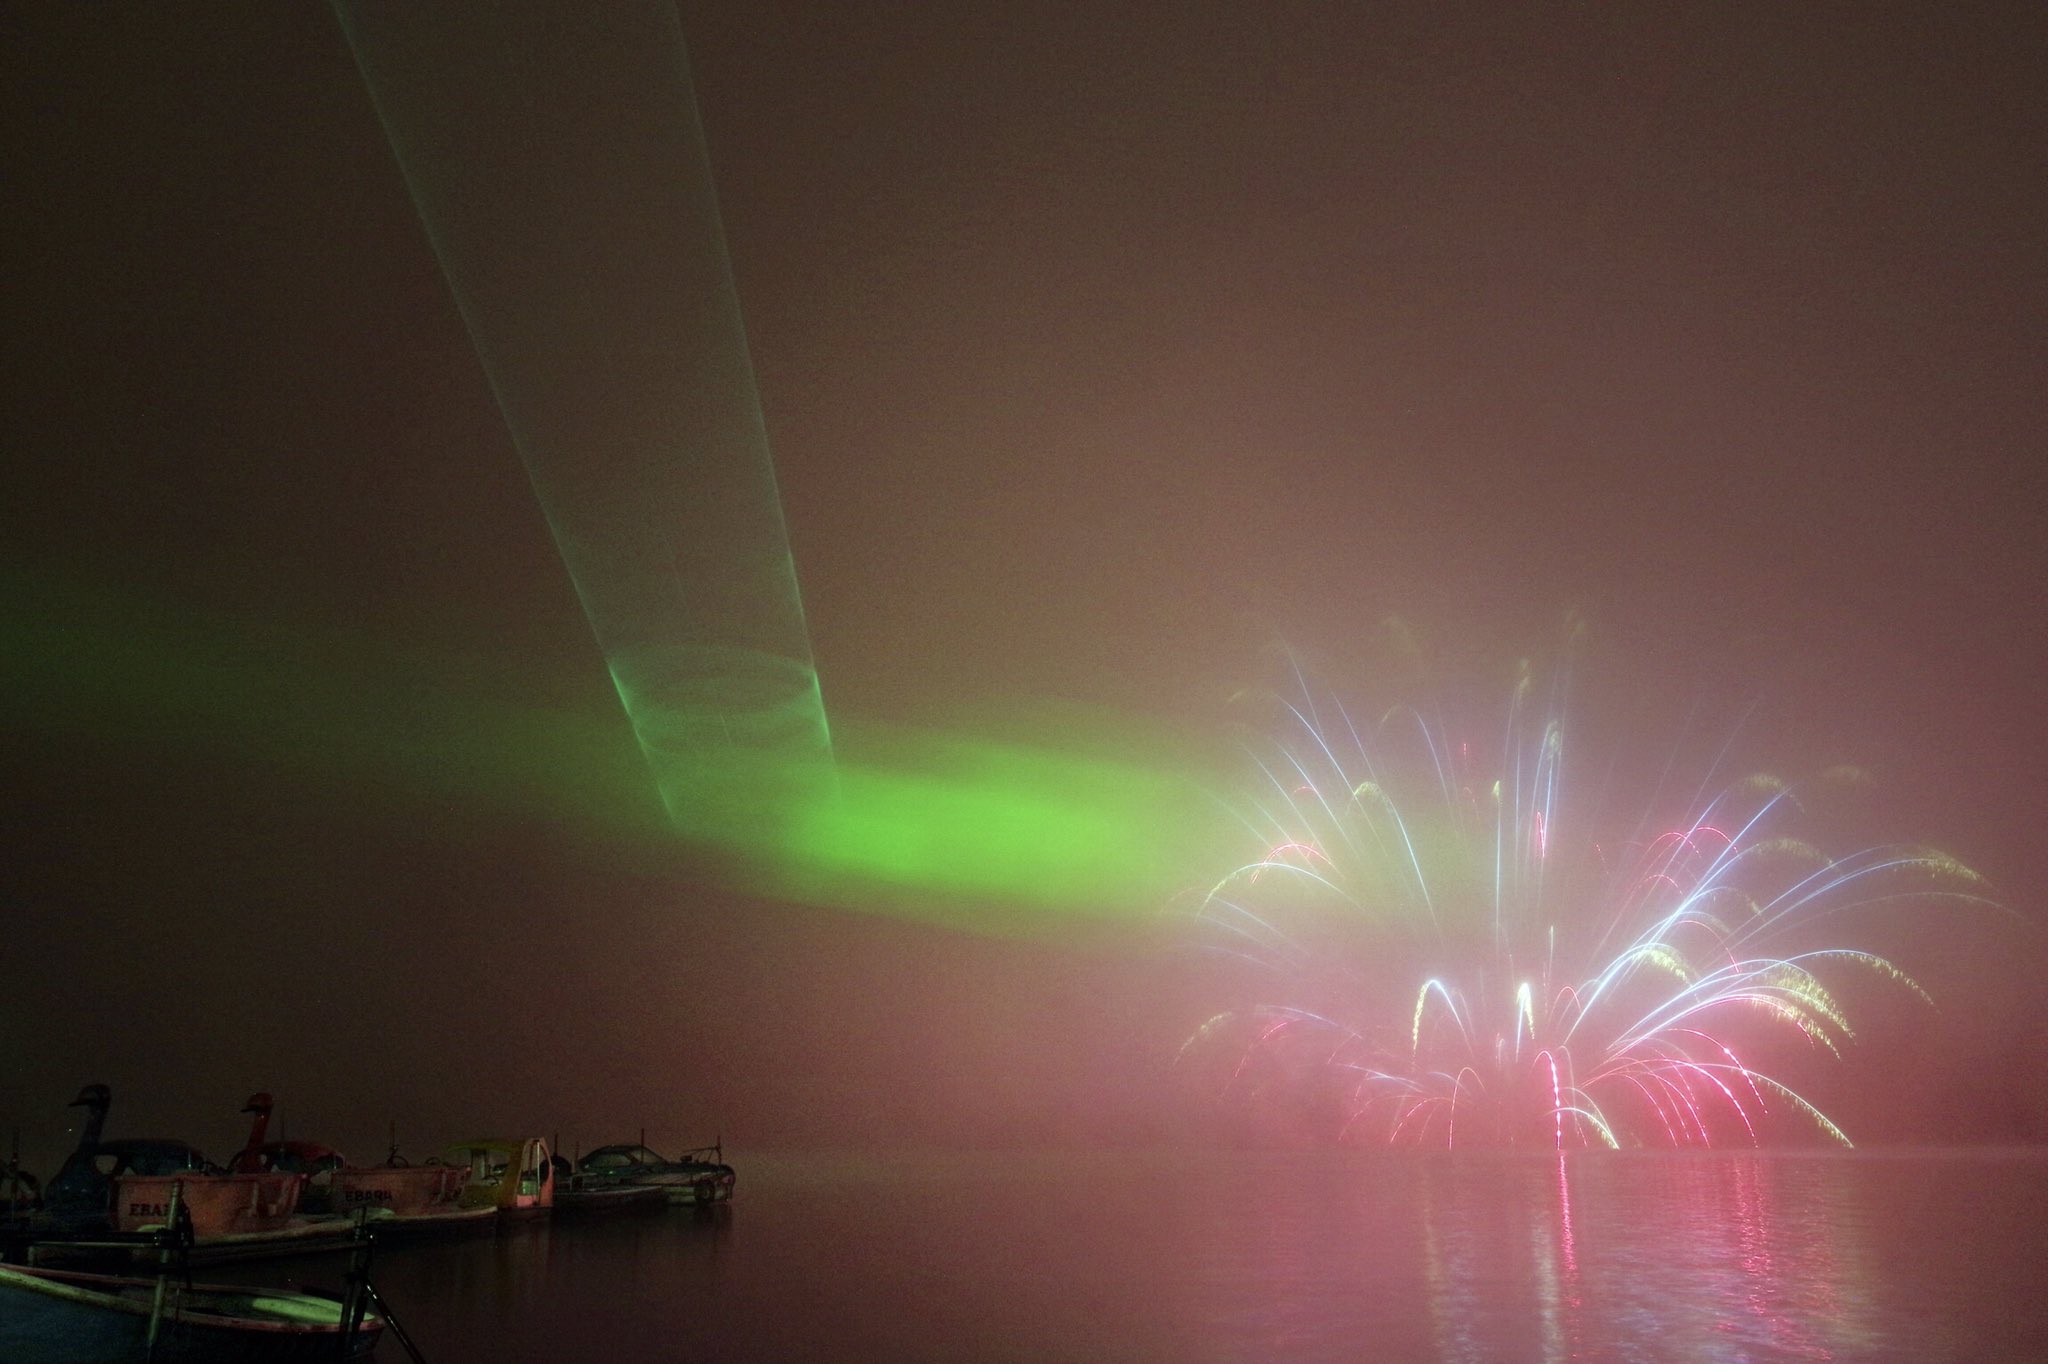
(620, 1157)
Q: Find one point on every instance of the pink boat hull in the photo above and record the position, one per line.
(404, 1191)
(220, 1205)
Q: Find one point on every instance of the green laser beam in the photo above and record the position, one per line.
(558, 165)
(1048, 819)
(557, 162)
(1022, 823)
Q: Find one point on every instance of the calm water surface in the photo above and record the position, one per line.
(1199, 1257)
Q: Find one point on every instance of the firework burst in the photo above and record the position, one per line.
(1464, 967)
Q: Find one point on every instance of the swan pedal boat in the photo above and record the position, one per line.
(126, 1187)
(399, 1199)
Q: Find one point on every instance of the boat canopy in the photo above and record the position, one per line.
(622, 1157)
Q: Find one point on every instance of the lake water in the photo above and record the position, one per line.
(1141, 1256)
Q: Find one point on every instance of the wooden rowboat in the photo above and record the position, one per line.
(55, 1316)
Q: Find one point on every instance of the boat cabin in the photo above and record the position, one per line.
(516, 1175)
(619, 1160)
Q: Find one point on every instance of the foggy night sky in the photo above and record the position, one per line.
(1100, 348)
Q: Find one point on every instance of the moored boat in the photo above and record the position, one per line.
(220, 1204)
(577, 1193)
(54, 1316)
(690, 1180)
(309, 1158)
(398, 1197)
(79, 1199)
(402, 1190)
(231, 1216)
(127, 1189)
(512, 1174)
